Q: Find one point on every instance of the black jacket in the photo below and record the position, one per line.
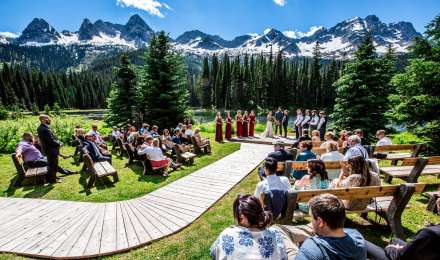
(424, 246)
(92, 150)
(279, 115)
(285, 120)
(281, 155)
(50, 145)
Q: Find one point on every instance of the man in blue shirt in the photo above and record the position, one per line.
(332, 240)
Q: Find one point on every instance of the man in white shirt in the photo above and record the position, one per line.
(299, 119)
(383, 140)
(314, 121)
(356, 148)
(272, 181)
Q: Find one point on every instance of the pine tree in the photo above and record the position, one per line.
(122, 99)
(315, 77)
(206, 84)
(164, 84)
(361, 92)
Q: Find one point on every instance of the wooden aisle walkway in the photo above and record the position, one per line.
(66, 229)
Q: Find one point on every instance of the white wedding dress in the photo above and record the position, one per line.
(268, 132)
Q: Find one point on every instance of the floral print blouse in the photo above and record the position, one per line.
(238, 242)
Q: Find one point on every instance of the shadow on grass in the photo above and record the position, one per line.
(35, 185)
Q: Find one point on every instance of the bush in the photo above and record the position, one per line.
(47, 109)
(56, 109)
(407, 138)
(3, 113)
(35, 110)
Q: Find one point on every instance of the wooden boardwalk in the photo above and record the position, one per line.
(66, 229)
(264, 140)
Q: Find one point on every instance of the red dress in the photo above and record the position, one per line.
(251, 125)
(218, 129)
(245, 126)
(228, 133)
(239, 122)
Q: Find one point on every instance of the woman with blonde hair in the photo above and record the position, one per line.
(315, 136)
(268, 132)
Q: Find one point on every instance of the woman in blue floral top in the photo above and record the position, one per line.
(250, 238)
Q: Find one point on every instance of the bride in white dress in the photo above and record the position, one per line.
(269, 130)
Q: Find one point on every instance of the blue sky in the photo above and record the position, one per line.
(227, 18)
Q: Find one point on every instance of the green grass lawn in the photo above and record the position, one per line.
(132, 182)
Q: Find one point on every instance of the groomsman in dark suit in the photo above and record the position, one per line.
(50, 147)
(278, 118)
(285, 122)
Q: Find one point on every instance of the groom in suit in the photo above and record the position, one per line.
(285, 122)
(278, 118)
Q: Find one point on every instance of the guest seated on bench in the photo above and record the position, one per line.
(154, 131)
(279, 154)
(304, 137)
(98, 139)
(356, 175)
(202, 141)
(189, 131)
(272, 181)
(425, 245)
(132, 134)
(332, 155)
(355, 149)
(177, 137)
(145, 129)
(315, 136)
(167, 143)
(316, 179)
(332, 240)
(383, 140)
(250, 238)
(156, 157)
(93, 150)
(328, 137)
(343, 139)
(306, 153)
(31, 156)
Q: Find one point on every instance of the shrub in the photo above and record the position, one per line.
(47, 109)
(3, 113)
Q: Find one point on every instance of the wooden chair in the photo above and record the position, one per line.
(121, 147)
(390, 201)
(132, 154)
(149, 168)
(198, 149)
(23, 173)
(186, 157)
(98, 170)
(412, 168)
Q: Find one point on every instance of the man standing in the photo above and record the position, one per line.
(298, 121)
(322, 125)
(278, 118)
(50, 147)
(314, 121)
(285, 122)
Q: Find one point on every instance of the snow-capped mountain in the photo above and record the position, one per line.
(341, 39)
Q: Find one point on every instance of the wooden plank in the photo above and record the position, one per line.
(190, 192)
(80, 245)
(108, 238)
(50, 242)
(70, 241)
(412, 161)
(158, 229)
(404, 171)
(176, 214)
(356, 192)
(121, 234)
(142, 234)
(188, 199)
(178, 202)
(20, 210)
(132, 237)
(170, 221)
(94, 242)
(394, 147)
(170, 204)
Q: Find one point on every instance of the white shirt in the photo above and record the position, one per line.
(330, 157)
(305, 121)
(384, 141)
(153, 153)
(272, 182)
(355, 151)
(321, 122)
(298, 120)
(314, 120)
(189, 132)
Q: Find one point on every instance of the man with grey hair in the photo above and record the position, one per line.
(356, 149)
(50, 146)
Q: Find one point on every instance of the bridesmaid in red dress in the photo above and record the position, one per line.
(239, 122)
(228, 133)
(252, 121)
(219, 127)
(245, 124)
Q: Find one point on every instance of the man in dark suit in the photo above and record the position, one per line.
(285, 122)
(93, 150)
(278, 117)
(50, 147)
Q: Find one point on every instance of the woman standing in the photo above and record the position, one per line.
(269, 129)
(228, 133)
(252, 121)
(245, 124)
(218, 127)
(239, 122)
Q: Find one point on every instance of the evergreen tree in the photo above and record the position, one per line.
(416, 103)
(164, 85)
(122, 99)
(206, 84)
(315, 77)
(361, 92)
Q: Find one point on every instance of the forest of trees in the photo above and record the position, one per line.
(258, 81)
(32, 89)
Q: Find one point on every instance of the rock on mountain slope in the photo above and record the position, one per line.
(339, 40)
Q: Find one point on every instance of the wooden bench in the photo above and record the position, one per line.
(317, 144)
(432, 199)
(149, 168)
(98, 170)
(398, 151)
(390, 203)
(186, 157)
(198, 149)
(288, 166)
(132, 154)
(121, 149)
(320, 151)
(412, 168)
(23, 173)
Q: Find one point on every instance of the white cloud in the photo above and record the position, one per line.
(298, 34)
(9, 34)
(280, 2)
(153, 7)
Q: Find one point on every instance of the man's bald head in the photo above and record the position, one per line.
(44, 119)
